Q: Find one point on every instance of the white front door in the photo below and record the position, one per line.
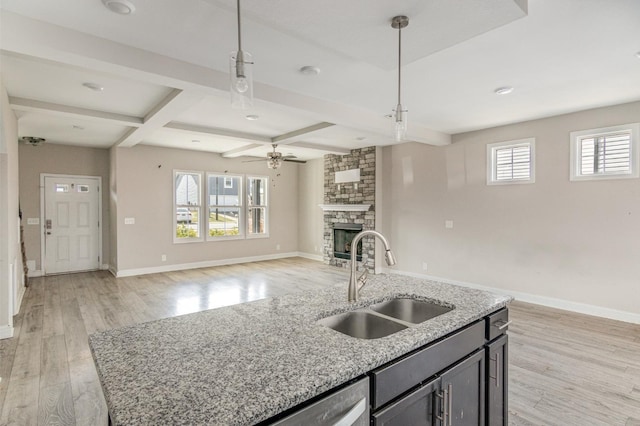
(71, 224)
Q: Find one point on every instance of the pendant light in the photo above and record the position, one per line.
(400, 114)
(240, 73)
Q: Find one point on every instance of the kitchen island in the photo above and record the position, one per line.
(246, 363)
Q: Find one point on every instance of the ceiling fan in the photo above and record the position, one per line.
(274, 159)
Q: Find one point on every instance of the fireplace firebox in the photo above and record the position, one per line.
(343, 234)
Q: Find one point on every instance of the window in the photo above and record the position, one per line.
(225, 205)
(187, 206)
(606, 153)
(511, 162)
(257, 220)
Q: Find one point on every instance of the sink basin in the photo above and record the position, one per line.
(410, 310)
(362, 325)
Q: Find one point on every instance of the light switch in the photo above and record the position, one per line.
(129, 220)
(33, 221)
(448, 224)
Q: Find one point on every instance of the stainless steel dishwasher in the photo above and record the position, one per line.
(345, 407)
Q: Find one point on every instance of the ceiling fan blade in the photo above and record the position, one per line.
(287, 157)
(253, 161)
(294, 161)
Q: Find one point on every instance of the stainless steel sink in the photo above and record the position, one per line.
(362, 325)
(410, 310)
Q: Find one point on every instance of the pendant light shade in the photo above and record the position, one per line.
(240, 73)
(400, 114)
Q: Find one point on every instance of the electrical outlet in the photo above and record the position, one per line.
(164, 258)
(277, 246)
(425, 266)
(448, 224)
(315, 248)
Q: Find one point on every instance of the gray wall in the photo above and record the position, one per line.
(59, 159)
(310, 217)
(572, 241)
(144, 191)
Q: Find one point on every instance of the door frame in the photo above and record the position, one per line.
(43, 208)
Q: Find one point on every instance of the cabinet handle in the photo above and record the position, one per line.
(450, 404)
(503, 324)
(497, 376)
(353, 414)
(443, 407)
(497, 369)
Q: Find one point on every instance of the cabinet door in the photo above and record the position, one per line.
(497, 382)
(463, 392)
(416, 409)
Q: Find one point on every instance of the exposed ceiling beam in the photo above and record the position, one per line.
(332, 149)
(171, 106)
(305, 130)
(216, 131)
(237, 152)
(22, 104)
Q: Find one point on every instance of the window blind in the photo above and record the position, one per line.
(513, 163)
(605, 154)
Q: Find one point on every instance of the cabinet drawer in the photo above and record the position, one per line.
(392, 380)
(497, 323)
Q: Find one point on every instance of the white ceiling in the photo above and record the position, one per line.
(164, 69)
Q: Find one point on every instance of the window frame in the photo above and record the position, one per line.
(248, 206)
(575, 173)
(492, 149)
(199, 206)
(241, 207)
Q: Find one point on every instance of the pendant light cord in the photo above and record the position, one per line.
(399, 60)
(239, 37)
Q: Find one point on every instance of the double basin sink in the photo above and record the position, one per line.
(384, 318)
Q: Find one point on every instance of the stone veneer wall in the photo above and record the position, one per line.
(347, 193)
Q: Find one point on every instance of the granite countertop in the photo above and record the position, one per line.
(245, 363)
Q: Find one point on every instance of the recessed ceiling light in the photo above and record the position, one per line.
(638, 55)
(310, 70)
(195, 141)
(93, 86)
(503, 90)
(361, 138)
(121, 7)
(76, 127)
(252, 117)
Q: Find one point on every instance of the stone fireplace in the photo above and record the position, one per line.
(349, 206)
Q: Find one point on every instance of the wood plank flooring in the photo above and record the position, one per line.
(565, 368)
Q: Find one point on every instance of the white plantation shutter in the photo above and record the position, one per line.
(606, 153)
(510, 162)
(513, 163)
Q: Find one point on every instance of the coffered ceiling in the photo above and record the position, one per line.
(164, 69)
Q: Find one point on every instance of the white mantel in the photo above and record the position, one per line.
(344, 207)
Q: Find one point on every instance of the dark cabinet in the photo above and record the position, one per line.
(497, 381)
(463, 388)
(419, 408)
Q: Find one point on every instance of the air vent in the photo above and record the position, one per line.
(32, 140)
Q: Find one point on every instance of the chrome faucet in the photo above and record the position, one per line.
(355, 284)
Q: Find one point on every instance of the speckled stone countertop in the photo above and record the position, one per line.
(245, 363)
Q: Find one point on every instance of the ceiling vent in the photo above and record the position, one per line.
(32, 140)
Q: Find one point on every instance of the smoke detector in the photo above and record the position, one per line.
(32, 140)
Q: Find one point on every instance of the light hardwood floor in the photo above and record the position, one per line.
(565, 368)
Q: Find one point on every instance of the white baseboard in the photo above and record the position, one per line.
(551, 302)
(196, 265)
(311, 256)
(6, 332)
(35, 273)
